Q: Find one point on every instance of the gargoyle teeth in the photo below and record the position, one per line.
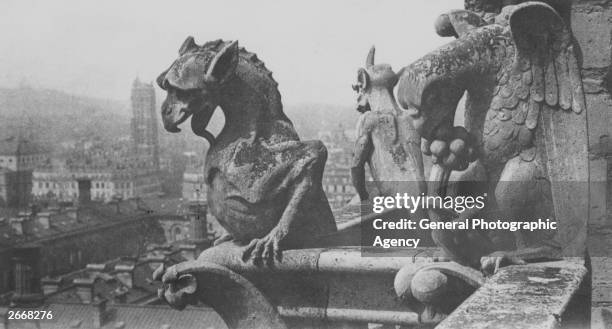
(413, 113)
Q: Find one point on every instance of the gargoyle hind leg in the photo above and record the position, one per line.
(517, 194)
(269, 248)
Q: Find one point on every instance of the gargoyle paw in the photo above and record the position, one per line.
(265, 250)
(177, 289)
(491, 263)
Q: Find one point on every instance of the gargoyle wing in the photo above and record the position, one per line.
(546, 72)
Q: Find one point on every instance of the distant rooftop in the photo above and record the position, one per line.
(65, 220)
(69, 315)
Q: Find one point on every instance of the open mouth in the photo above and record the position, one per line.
(173, 128)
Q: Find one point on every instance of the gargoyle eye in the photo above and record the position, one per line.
(164, 84)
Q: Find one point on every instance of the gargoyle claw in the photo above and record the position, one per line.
(265, 250)
(491, 263)
(223, 238)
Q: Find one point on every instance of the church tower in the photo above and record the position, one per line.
(144, 121)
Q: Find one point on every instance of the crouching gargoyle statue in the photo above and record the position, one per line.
(264, 183)
(386, 139)
(525, 129)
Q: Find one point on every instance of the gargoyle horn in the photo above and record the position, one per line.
(370, 58)
(188, 45)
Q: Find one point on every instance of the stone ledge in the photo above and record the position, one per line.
(528, 296)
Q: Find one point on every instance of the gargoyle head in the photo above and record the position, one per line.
(508, 69)
(375, 85)
(192, 83)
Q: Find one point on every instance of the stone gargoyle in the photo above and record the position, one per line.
(264, 183)
(386, 138)
(525, 117)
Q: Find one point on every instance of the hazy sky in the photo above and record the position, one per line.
(314, 47)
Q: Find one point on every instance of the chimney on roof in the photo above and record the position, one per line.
(95, 268)
(71, 212)
(125, 274)
(99, 316)
(17, 226)
(85, 289)
(155, 261)
(84, 191)
(43, 219)
(22, 225)
(50, 285)
(26, 265)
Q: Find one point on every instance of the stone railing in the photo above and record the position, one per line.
(337, 287)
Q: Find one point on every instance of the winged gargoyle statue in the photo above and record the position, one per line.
(264, 183)
(526, 127)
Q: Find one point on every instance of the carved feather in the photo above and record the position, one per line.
(541, 35)
(578, 102)
(534, 113)
(552, 94)
(563, 79)
(544, 72)
(537, 87)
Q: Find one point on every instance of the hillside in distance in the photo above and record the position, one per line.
(309, 119)
(54, 116)
(33, 101)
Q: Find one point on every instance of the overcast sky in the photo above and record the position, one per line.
(314, 47)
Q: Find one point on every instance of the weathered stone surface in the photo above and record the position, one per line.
(600, 119)
(308, 286)
(592, 26)
(264, 183)
(528, 296)
(602, 318)
(598, 192)
(386, 139)
(525, 118)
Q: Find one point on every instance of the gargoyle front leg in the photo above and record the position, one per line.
(361, 155)
(269, 248)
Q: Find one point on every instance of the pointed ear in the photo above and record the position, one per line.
(457, 23)
(188, 44)
(223, 65)
(363, 79)
(370, 58)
